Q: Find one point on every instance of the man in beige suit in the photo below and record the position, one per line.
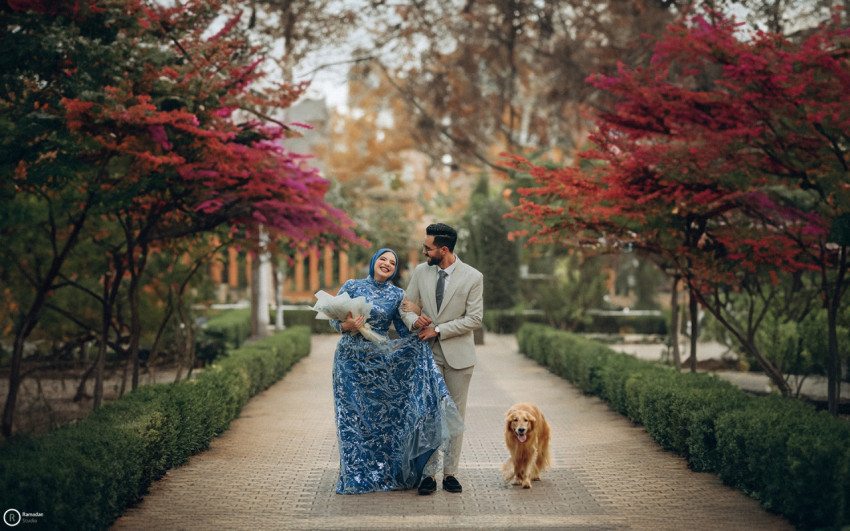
(450, 293)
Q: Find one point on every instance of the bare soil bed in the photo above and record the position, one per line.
(46, 397)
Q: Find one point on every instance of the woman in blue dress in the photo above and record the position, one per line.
(391, 404)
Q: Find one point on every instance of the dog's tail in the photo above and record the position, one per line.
(508, 470)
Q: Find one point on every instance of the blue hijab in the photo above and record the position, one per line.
(375, 259)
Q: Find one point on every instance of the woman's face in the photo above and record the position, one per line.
(385, 266)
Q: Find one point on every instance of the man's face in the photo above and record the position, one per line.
(435, 254)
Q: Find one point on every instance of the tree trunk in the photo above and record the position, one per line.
(81, 388)
(769, 369)
(833, 305)
(750, 347)
(99, 370)
(169, 310)
(185, 340)
(23, 332)
(189, 337)
(674, 324)
(694, 311)
(123, 379)
(259, 306)
(185, 329)
(182, 352)
(100, 365)
(833, 363)
(260, 291)
(135, 325)
(14, 384)
(279, 279)
(32, 317)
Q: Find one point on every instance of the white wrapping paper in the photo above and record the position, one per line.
(337, 307)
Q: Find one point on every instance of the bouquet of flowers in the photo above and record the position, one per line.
(337, 307)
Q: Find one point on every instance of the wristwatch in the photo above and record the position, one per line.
(437, 329)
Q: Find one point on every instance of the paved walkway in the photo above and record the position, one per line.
(276, 467)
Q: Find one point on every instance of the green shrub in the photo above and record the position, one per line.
(677, 410)
(84, 475)
(567, 355)
(615, 373)
(790, 457)
(794, 460)
(306, 318)
(705, 407)
(627, 324)
(509, 321)
(232, 327)
(210, 346)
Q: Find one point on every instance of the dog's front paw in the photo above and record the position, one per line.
(526, 484)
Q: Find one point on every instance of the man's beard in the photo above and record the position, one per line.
(433, 261)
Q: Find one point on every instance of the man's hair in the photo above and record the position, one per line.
(443, 235)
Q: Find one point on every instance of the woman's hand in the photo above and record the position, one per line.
(353, 323)
(410, 306)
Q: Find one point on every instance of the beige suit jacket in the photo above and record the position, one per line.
(461, 312)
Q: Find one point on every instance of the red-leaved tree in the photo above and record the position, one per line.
(150, 124)
(727, 159)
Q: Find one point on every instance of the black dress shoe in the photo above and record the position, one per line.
(427, 486)
(451, 484)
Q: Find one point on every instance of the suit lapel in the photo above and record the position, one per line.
(430, 296)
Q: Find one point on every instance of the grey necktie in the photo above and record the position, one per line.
(441, 286)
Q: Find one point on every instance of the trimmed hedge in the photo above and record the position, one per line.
(306, 318)
(83, 476)
(787, 455)
(510, 321)
(627, 324)
(782, 452)
(232, 327)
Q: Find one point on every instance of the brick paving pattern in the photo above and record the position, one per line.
(276, 467)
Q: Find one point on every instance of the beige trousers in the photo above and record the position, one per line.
(457, 382)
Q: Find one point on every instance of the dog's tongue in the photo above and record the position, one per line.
(522, 438)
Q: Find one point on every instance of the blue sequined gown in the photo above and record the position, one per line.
(391, 404)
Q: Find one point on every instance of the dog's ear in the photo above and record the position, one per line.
(531, 418)
(509, 416)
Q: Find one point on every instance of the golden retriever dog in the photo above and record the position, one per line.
(527, 438)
